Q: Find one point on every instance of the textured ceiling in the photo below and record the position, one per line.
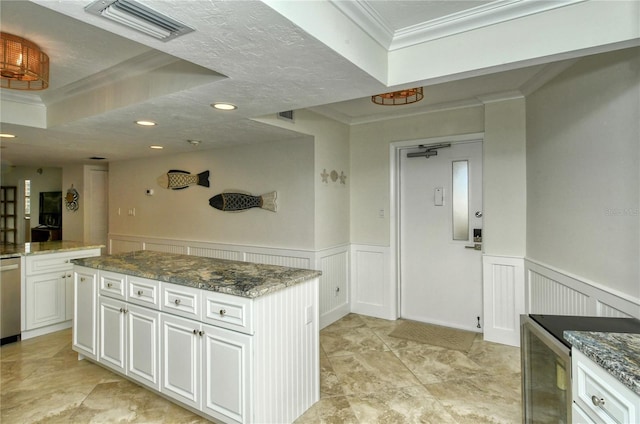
(105, 76)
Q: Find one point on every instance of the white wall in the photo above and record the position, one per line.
(504, 178)
(583, 171)
(73, 221)
(286, 167)
(331, 153)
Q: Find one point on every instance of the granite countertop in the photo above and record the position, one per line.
(37, 248)
(617, 353)
(244, 279)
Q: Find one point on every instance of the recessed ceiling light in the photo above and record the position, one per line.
(156, 147)
(4, 135)
(224, 106)
(146, 123)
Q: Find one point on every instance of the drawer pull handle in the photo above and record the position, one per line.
(109, 285)
(597, 401)
(222, 312)
(140, 292)
(177, 301)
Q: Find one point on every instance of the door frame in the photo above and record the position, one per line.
(394, 198)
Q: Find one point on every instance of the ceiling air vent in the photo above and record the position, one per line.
(141, 18)
(287, 115)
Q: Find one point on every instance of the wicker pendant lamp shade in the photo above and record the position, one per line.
(23, 65)
(398, 98)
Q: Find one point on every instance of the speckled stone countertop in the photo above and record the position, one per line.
(38, 248)
(244, 279)
(617, 353)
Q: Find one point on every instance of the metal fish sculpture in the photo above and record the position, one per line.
(176, 179)
(239, 201)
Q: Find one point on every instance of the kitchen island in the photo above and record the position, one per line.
(232, 341)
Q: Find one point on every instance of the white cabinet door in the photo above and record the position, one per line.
(45, 299)
(225, 362)
(180, 360)
(85, 326)
(143, 331)
(112, 333)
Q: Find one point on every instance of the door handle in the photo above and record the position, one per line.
(476, 246)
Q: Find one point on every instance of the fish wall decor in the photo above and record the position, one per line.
(237, 201)
(176, 179)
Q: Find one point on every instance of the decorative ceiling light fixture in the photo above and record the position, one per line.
(398, 98)
(23, 65)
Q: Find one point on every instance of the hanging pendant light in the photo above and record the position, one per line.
(398, 98)
(23, 65)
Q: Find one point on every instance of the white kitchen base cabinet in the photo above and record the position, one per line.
(228, 358)
(85, 295)
(598, 396)
(47, 300)
(129, 340)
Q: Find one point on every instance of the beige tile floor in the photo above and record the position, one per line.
(366, 377)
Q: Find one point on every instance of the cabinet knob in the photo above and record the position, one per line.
(69, 276)
(195, 331)
(109, 285)
(201, 333)
(121, 310)
(177, 301)
(64, 276)
(223, 312)
(140, 292)
(82, 279)
(597, 401)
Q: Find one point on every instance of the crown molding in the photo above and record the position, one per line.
(478, 17)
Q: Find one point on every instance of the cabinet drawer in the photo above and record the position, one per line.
(600, 395)
(181, 300)
(112, 284)
(143, 291)
(48, 262)
(232, 312)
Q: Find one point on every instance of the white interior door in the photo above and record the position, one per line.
(440, 207)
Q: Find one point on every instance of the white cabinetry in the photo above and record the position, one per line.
(85, 295)
(217, 354)
(206, 367)
(598, 397)
(128, 334)
(48, 291)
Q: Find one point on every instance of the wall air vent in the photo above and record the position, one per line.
(287, 115)
(139, 17)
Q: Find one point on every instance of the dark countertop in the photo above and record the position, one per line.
(37, 248)
(616, 353)
(244, 279)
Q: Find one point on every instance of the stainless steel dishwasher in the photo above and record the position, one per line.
(9, 300)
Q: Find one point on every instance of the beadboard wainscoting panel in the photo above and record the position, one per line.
(166, 248)
(553, 292)
(503, 295)
(334, 284)
(215, 253)
(372, 288)
(278, 259)
(292, 375)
